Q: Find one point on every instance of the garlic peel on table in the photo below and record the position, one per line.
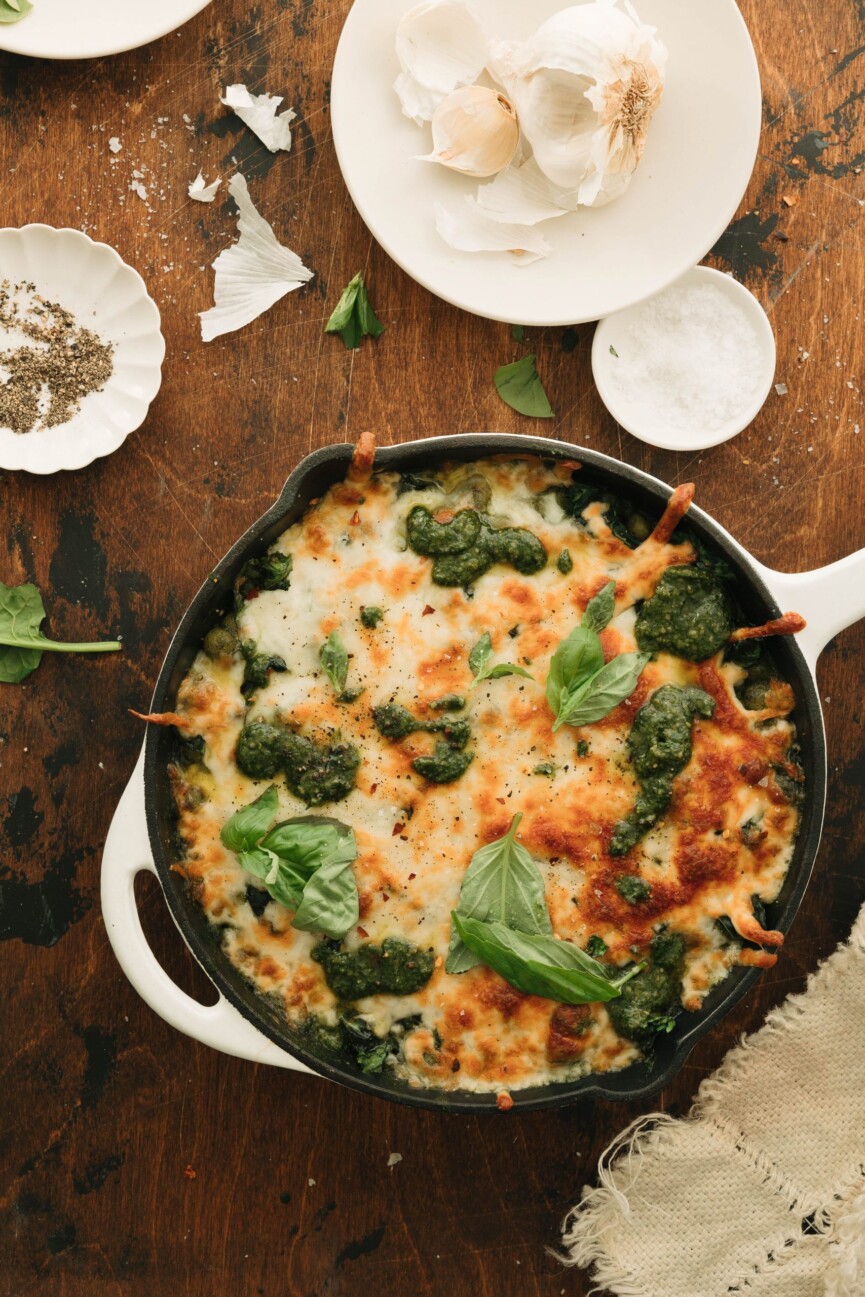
(440, 46)
(475, 131)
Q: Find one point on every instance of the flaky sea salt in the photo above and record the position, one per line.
(689, 359)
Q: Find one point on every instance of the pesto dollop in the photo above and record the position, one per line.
(448, 761)
(466, 547)
(689, 615)
(659, 746)
(394, 968)
(649, 1002)
(314, 772)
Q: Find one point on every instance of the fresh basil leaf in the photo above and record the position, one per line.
(330, 900)
(541, 965)
(519, 387)
(353, 317)
(503, 883)
(334, 660)
(12, 11)
(479, 662)
(251, 822)
(599, 611)
(574, 662)
(612, 685)
(309, 840)
(21, 642)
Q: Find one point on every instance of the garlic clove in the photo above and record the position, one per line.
(522, 194)
(585, 87)
(470, 229)
(440, 46)
(474, 131)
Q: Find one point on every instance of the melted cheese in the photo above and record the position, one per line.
(415, 839)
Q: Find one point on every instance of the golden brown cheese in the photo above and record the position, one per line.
(416, 839)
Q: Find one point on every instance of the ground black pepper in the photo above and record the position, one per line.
(44, 380)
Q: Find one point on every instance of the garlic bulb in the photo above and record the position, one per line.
(440, 46)
(474, 131)
(585, 87)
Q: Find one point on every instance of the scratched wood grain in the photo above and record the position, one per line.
(105, 1106)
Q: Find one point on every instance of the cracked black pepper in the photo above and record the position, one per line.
(53, 364)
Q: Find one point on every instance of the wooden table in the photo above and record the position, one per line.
(135, 1161)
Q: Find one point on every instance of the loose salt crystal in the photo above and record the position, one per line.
(690, 359)
(137, 187)
(781, 389)
(394, 1159)
(114, 144)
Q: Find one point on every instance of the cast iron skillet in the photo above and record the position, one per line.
(309, 480)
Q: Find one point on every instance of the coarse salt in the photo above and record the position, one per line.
(689, 359)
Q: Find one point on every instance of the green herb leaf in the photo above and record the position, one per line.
(330, 902)
(519, 387)
(479, 663)
(21, 642)
(334, 660)
(502, 883)
(612, 685)
(541, 965)
(599, 611)
(613, 351)
(575, 661)
(518, 332)
(250, 823)
(12, 11)
(596, 946)
(354, 319)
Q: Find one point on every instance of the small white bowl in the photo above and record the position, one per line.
(610, 346)
(93, 283)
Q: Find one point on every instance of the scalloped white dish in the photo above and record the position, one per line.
(90, 29)
(91, 281)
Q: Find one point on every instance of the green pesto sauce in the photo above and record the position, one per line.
(564, 562)
(449, 703)
(649, 1000)
(448, 761)
(314, 772)
(466, 547)
(659, 746)
(444, 766)
(689, 615)
(257, 667)
(393, 968)
(633, 889)
(370, 616)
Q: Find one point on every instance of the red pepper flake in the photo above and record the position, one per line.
(504, 1102)
(411, 876)
(362, 932)
(372, 788)
(397, 830)
(354, 520)
(385, 896)
(501, 801)
(427, 610)
(190, 1173)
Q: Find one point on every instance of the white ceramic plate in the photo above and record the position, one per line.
(90, 29)
(104, 294)
(699, 156)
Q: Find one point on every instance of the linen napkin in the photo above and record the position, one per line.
(760, 1190)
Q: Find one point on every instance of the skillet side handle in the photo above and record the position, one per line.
(830, 599)
(126, 854)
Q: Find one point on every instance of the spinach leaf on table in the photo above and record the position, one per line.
(22, 643)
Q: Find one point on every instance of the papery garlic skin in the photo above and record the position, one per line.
(467, 228)
(441, 46)
(474, 131)
(585, 88)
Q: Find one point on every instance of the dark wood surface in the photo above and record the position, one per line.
(104, 1106)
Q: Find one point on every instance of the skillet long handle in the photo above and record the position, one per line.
(126, 854)
(829, 598)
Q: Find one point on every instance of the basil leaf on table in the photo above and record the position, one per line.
(251, 822)
(353, 317)
(502, 883)
(599, 610)
(12, 11)
(519, 387)
(479, 662)
(333, 656)
(22, 643)
(605, 690)
(540, 965)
